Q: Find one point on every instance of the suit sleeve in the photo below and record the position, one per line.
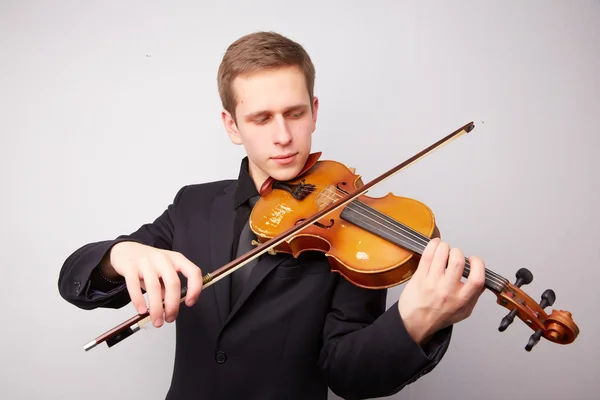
(79, 282)
(367, 351)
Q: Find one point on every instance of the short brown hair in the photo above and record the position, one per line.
(259, 51)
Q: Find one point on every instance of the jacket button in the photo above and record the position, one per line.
(220, 357)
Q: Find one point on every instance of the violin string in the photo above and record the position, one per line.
(407, 233)
(420, 239)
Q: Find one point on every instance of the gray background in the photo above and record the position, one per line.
(107, 108)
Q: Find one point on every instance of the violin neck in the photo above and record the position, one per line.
(382, 225)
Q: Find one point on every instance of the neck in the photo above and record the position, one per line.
(257, 175)
(379, 224)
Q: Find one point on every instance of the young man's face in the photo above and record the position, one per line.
(274, 122)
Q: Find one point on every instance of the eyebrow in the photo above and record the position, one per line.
(287, 109)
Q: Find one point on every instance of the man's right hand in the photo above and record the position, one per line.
(155, 271)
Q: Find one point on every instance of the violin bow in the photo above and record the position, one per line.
(135, 323)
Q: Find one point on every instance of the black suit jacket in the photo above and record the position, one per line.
(297, 329)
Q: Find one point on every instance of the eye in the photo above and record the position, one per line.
(297, 114)
(261, 120)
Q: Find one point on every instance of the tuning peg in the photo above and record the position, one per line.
(524, 277)
(548, 298)
(534, 339)
(506, 321)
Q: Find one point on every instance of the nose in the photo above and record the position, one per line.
(282, 134)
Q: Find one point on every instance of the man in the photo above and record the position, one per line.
(290, 329)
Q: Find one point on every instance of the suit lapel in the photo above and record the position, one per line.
(265, 265)
(221, 228)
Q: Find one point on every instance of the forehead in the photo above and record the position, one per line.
(270, 90)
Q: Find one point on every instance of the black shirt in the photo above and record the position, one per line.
(244, 197)
(244, 191)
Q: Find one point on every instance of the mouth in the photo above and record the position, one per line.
(284, 158)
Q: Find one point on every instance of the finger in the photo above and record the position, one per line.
(439, 261)
(172, 286)
(193, 273)
(426, 258)
(456, 266)
(474, 286)
(153, 290)
(133, 283)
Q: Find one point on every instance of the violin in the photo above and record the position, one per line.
(373, 243)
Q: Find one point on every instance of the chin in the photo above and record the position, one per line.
(286, 172)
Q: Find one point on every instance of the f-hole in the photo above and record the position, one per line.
(340, 189)
(320, 225)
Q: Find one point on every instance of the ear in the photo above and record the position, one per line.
(231, 127)
(315, 111)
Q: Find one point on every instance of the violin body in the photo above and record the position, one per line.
(353, 245)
